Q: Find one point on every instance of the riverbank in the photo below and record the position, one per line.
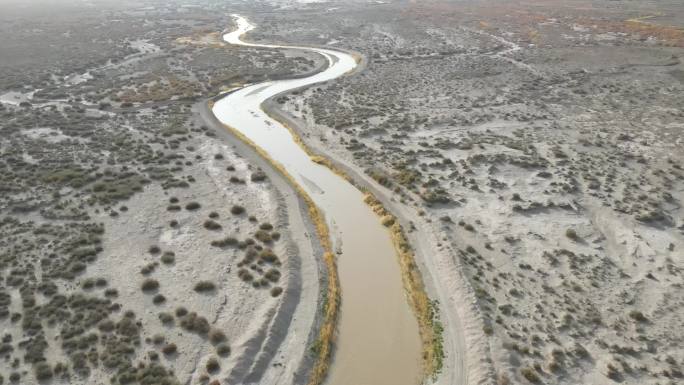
(313, 272)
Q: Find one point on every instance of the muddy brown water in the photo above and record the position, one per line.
(378, 337)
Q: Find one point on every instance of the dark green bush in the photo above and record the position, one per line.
(168, 258)
(225, 242)
(213, 365)
(192, 206)
(258, 176)
(165, 318)
(212, 225)
(237, 210)
(169, 349)
(276, 291)
(223, 350)
(43, 371)
(216, 336)
(150, 285)
(205, 286)
(263, 236)
(272, 275)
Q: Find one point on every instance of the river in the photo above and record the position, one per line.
(378, 337)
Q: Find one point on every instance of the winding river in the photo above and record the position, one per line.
(378, 339)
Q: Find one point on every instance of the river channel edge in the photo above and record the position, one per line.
(425, 310)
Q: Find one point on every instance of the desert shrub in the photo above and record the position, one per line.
(78, 267)
(6, 348)
(148, 269)
(268, 256)
(266, 226)
(613, 373)
(43, 371)
(173, 223)
(637, 316)
(258, 176)
(205, 286)
(212, 225)
(237, 210)
(387, 220)
(223, 350)
(263, 236)
(168, 258)
(245, 275)
(149, 285)
(88, 284)
(169, 349)
(272, 275)
(276, 291)
(572, 234)
(218, 156)
(158, 339)
(106, 326)
(213, 365)
(158, 299)
(181, 311)
(165, 318)
(154, 249)
(213, 215)
(173, 208)
(111, 293)
(225, 242)
(192, 206)
(530, 374)
(194, 323)
(216, 336)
